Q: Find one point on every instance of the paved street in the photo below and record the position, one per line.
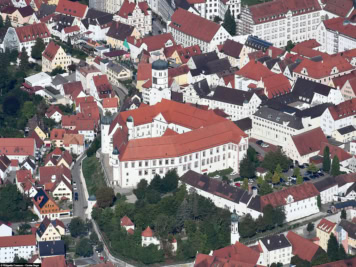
(80, 205)
(157, 27)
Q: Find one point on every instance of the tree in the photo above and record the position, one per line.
(140, 191)
(99, 247)
(170, 181)
(247, 226)
(343, 214)
(28, 109)
(245, 184)
(278, 169)
(326, 159)
(153, 196)
(19, 260)
(229, 23)
(310, 227)
(265, 189)
(163, 225)
(24, 229)
(259, 180)
(38, 49)
(299, 179)
(1, 22)
(77, 227)
(318, 201)
(295, 260)
(24, 65)
(225, 179)
(342, 252)
(156, 183)
(273, 158)
(84, 248)
(276, 178)
(335, 166)
(57, 70)
(278, 264)
(247, 168)
(7, 22)
(313, 168)
(105, 197)
(94, 239)
(289, 45)
(333, 248)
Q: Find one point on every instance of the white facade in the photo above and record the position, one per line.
(328, 124)
(7, 254)
(327, 195)
(56, 116)
(146, 241)
(282, 255)
(300, 209)
(186, 40)
(62, 190)
(40, 79)
(290, 26)
(5, 230)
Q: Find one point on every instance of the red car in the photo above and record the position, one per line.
(101, 258)
(238, 184)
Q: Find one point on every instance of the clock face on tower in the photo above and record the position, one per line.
(11, 41)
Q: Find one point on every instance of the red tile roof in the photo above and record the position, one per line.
(310, 141)
(128, 7)
(340, 81)
(342, 263)
(147, 232)
(153, 43)
(74, 9)
(144, 71)
(23, 175)
(51, 51)
(46, 173)
(125, 221)
(17, 241)
(57, 134)
(32, 32)
(273, 10)
(85, 99)
(326, 226)
(321, 69)
(276, 85)
(299, 192)
(335, 151)
(194, 25)
(254, 70)
(343, 110)
(53, 109)
(337, 25)
(17, 146)
(71, 29)
(73, 139)
(69, 88)
(185, 53)
(56, 261)
(110, 102)
(304, 248)
(103, 86)
(340, 8)
(181, 70)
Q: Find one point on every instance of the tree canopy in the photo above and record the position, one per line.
(38, 49)
(84, 248)
(335, 166)
(273, 158)
(77, 227)
(326, 159)
(229, 23)
(105, 197)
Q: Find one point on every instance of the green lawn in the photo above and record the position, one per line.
(94, 177)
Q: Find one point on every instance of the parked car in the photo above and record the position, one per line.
(329, 211)
(216, 176)
(306, 179)
(238, 184)
(233, 173)
(321, 174)
(264, 145)
(308, 172)
(294, 181)
(259, 142)
(301, 166)
(291, 166)
(74, 183)
(76, 196)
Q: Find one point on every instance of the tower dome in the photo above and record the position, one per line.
(234, 217)
(160, 65)
(129, 119)
(106, 120)
(115, 151)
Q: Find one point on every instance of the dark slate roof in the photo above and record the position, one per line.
(264, 59)
(202, 88)
(231, 96)
(51, 248)
(202, 59)
(96, 17)
(45, 10)
(255, 204)
(325, 184)
(244, 124)
(351, 188)
(41, 193)
(180, 3)
(279, 117)
(94, 14)
(215, 187)
(59, 79)
(176, 96)
(292, 66)
(43, 226)
(211, 67)
(346, 204)
(346, 129)
(313, 112)
(275, 242)
(29, 162)
(3, 32)
(26, 11)
(257, 43)
(349, 227)
(306, 89)
(120, 31)
(271, 62)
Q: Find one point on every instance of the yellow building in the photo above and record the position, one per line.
(40, 133)
(323, 232)
(118, 33)
(54, 56)
(50, 230)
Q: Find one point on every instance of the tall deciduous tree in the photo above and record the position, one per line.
(333, 248)
(247, 168)
(7, 22)
(326, 159)
(77, 227)
(265, 189)
(24, 64)
(335, 166)
(38, 49)
(105, 197)
(245, 184)
(229, 23)
(84, 248)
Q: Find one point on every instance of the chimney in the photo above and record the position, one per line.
(270, 52)
(268, 241)
(53, 178)
(249, 189)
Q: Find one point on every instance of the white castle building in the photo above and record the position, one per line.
(169, 135)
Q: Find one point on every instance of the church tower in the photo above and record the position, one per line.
(235, 236)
